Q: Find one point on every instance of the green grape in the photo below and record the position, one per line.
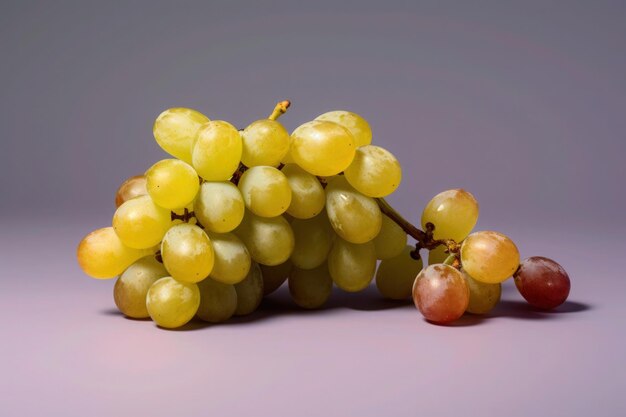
(131, 188)
(438, 255)
(313, 239)
(175, 130)
(218, 301)
(139, 223)
(352, 266)
(172, 183)
(217, 151)
(101, 254)
(219, 206)
(265, 191)
(307, 194)
(275, 276)
(357, 125)
(391, 239)
(232, 259)
(489, 257)
(374, 171)
(440, 293)
(265, 142)
(453, 212)
(355, 217)
(482, 297)
(310, 288)
(187, 253)
(172, 303)
(395, 276)
(249, 291)
(132, 286)
(322, 148)
(269, 239)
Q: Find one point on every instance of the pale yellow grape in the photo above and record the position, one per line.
(265, 191)
(307, 194)
(265, 142)
(310, 288)
(175, 130)
(172, 303)
(453, 212)
(172, 183)
(355, 217)
(395, 276)
(232, 259)
(483, 297)
(218, 301)
(219, 206)
(187, 253)
(438, 255)
(351, 265)
(139, 223)
(374, 171)
(313, 239)
(391, 239)
(322, 148)
(131, 288)
(489, 257)
(101, 254)
(275, 276)
(358, 126)
(269, 239)
(217, 151)
(249, 291)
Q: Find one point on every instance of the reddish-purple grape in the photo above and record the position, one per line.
(542, 282)
(441, 293)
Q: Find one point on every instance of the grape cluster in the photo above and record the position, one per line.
(235, 214)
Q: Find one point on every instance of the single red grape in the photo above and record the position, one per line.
(542, 282)
(441, 293)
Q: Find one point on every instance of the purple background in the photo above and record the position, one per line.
(522, 103)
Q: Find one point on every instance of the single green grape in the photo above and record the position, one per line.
(218, 301)
(374, 171)
(357, 125)
(351, 265)
(310, 288)
(172, 183)
(483, 297)
(219, 206)
(395, 276)
(265, 142)
(313, 239)
(355, 217)
(269, 239)
(438, 255)
(322, 148)
(232, 259)
(217, 151)
(101, 254)
(172, 303)
(187, 253)
(489, 257)
(175, 130)
(454, 214)
(391, 239)
(141, 224)
(249, 291)
(307, 194)
(275, 276)
(265, 191)
(131, 288)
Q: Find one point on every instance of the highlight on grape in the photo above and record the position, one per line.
(236, 213)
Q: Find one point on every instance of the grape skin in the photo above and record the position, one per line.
(172, 303)
(310, 288)
(265, 191)
(269, 240)
(249, 292)
(483, 297)
(441, 293)
(307, 194)
(374, 171)
(438, 255)
(131, 288)
(275, 276)
(313, 239)
(175, 130)
(454, 214)
(219, 206)
(140, 223)
(489, 257)
(357, 125)
(132, 187)
(217, 151)
(232, 259)
(351, 265)
(265, 142)
(172, 183)
(187, 253)
(542, 282)
(391, 239)
(395, 276)
(218, 301)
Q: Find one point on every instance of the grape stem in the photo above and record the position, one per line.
(280, 109)
(425, 239)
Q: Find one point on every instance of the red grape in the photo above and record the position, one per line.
(441, 293)
(542, 282)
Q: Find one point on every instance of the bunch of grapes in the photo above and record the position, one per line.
(236, 213)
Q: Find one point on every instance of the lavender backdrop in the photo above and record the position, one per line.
(522, 103)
